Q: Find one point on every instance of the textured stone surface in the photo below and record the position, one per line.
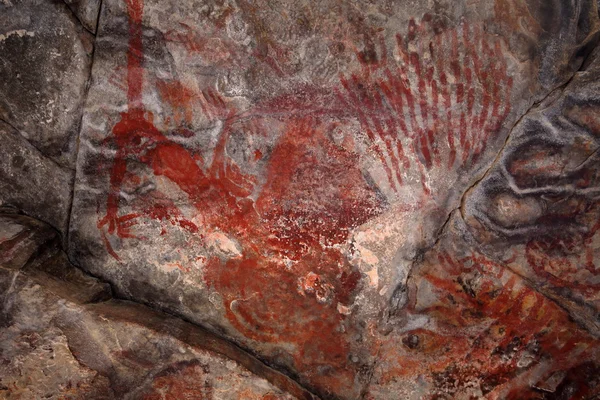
(62, 337)
(274, 170)
(86, 11)
(45, 63)
(473, 328)
(32, 182)
(537, 208)
(380, 200)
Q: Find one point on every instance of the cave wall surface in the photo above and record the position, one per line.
(378, 200)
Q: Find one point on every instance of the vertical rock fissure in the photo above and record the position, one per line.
(78, 140)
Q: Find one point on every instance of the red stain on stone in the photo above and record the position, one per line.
(566, 260)
(184, 380)
(488, 317)
(313, 197)
(290, 275)
(180, 99)
(409, 107)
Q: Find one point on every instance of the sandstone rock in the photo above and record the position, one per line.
(43, 74)
(61, 336)
(272, 170)
(32, 182)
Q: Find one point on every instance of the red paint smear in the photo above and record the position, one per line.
(388, 94)
(313, 197)
(493, 326)
(314, 194)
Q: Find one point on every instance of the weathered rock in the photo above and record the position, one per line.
(20, 238)
(46, 58)
(538, 207)
(506, 305)
(32, 182)
(62, 337)
(272, 170)
(473, 328)
(86, 11)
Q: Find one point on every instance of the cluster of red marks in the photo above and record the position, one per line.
(488, 319)
(566, 261)
(287, 284)
(136, 137)
(184, 103)
(209, 44)
(184, 380)
(438, 106)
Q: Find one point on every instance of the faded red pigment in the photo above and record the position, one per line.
(275, 227)
(390, 98)
(494, 321)
(314, 194)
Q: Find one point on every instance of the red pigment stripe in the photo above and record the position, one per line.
(401, 52)
(490, 124)
(427, 135)
(486, 77)
(395, 95)
(417, 131)
(135, 72)
(378, 128)
(434, 115)
(399, 120)
(426, 190)
(447, 101)
(364, 123)
(464, 143)
(391, 134)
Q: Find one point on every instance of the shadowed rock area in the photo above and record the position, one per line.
(290, 199)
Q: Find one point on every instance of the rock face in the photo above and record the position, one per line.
(32, 182)
(46, 58)
(381, 199)
(62, 336)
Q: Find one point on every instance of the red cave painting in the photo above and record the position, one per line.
(183, 380)
(136, 137)
(487, 315)
(286, 285)
(290, 278)
(437, 106)
(566, 261)
(292, 275)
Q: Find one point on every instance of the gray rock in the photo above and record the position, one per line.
(32, 182)
(45, 65)
(87, 11)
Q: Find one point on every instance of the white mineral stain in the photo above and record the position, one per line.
(223, 244)
(367, 260)
(18, 32)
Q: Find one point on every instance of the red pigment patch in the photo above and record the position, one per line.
(184, 380)
(407, 107)
(313, 197)
(487, 315)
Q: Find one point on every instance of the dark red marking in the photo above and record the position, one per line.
(440, 124)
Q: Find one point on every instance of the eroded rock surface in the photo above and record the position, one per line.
(537, 208)
(46, 58)
(63, 337)
(32, 182)
(380, 199)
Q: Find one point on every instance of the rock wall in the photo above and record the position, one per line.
(379, 199)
